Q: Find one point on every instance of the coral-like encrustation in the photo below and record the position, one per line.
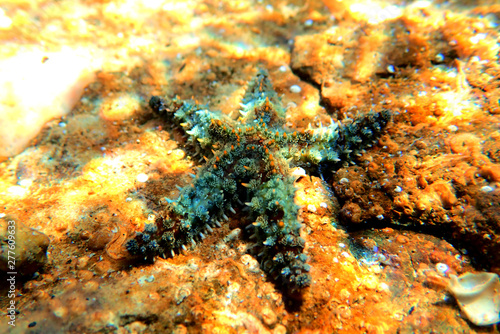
(248, 164)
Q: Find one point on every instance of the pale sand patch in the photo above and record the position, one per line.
(37, 86)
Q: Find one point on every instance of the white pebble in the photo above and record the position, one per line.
(453, 128)
(323, 205)
(475, 39)
(295, 89)
(25, 183)
(283, 68)
(17, 191)
(487, 189)
(142, 177)
(145, 279)
(5, 21)
(311, 208)
(442, 268)
(297, 172)
(390, 69)
(398, 189)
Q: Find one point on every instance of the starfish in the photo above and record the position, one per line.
(248, 168)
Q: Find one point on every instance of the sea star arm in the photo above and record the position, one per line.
(247, 170)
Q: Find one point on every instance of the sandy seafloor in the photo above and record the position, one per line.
(85, 163)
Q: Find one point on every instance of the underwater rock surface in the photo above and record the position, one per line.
(22, 249)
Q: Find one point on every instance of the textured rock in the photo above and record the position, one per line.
(24, 251)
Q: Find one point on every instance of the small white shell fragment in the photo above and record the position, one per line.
(311, 208)
(25, 183)
(295, 89)
(17, 191)
(442, 268)
(478, 296)
(5, 21)
(439, 58)
(487, 189)
(142, 177)
(298, 172)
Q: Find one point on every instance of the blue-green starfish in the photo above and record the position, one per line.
(247, 168)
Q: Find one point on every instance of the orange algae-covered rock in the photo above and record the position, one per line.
(317, 57)
(100, 238)
(338, 95)
(403, 202)
(464, 143)
(491, 172)
(465, 174)
(402, 239)
(368, 55)
(351, 212)
(469, 38)
(336, 7)
(445, 192)
(426, 201)
(388, 144)
(421, 181)
(119, 107)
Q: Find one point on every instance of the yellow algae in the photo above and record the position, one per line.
(119, 107)
(374, 12)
